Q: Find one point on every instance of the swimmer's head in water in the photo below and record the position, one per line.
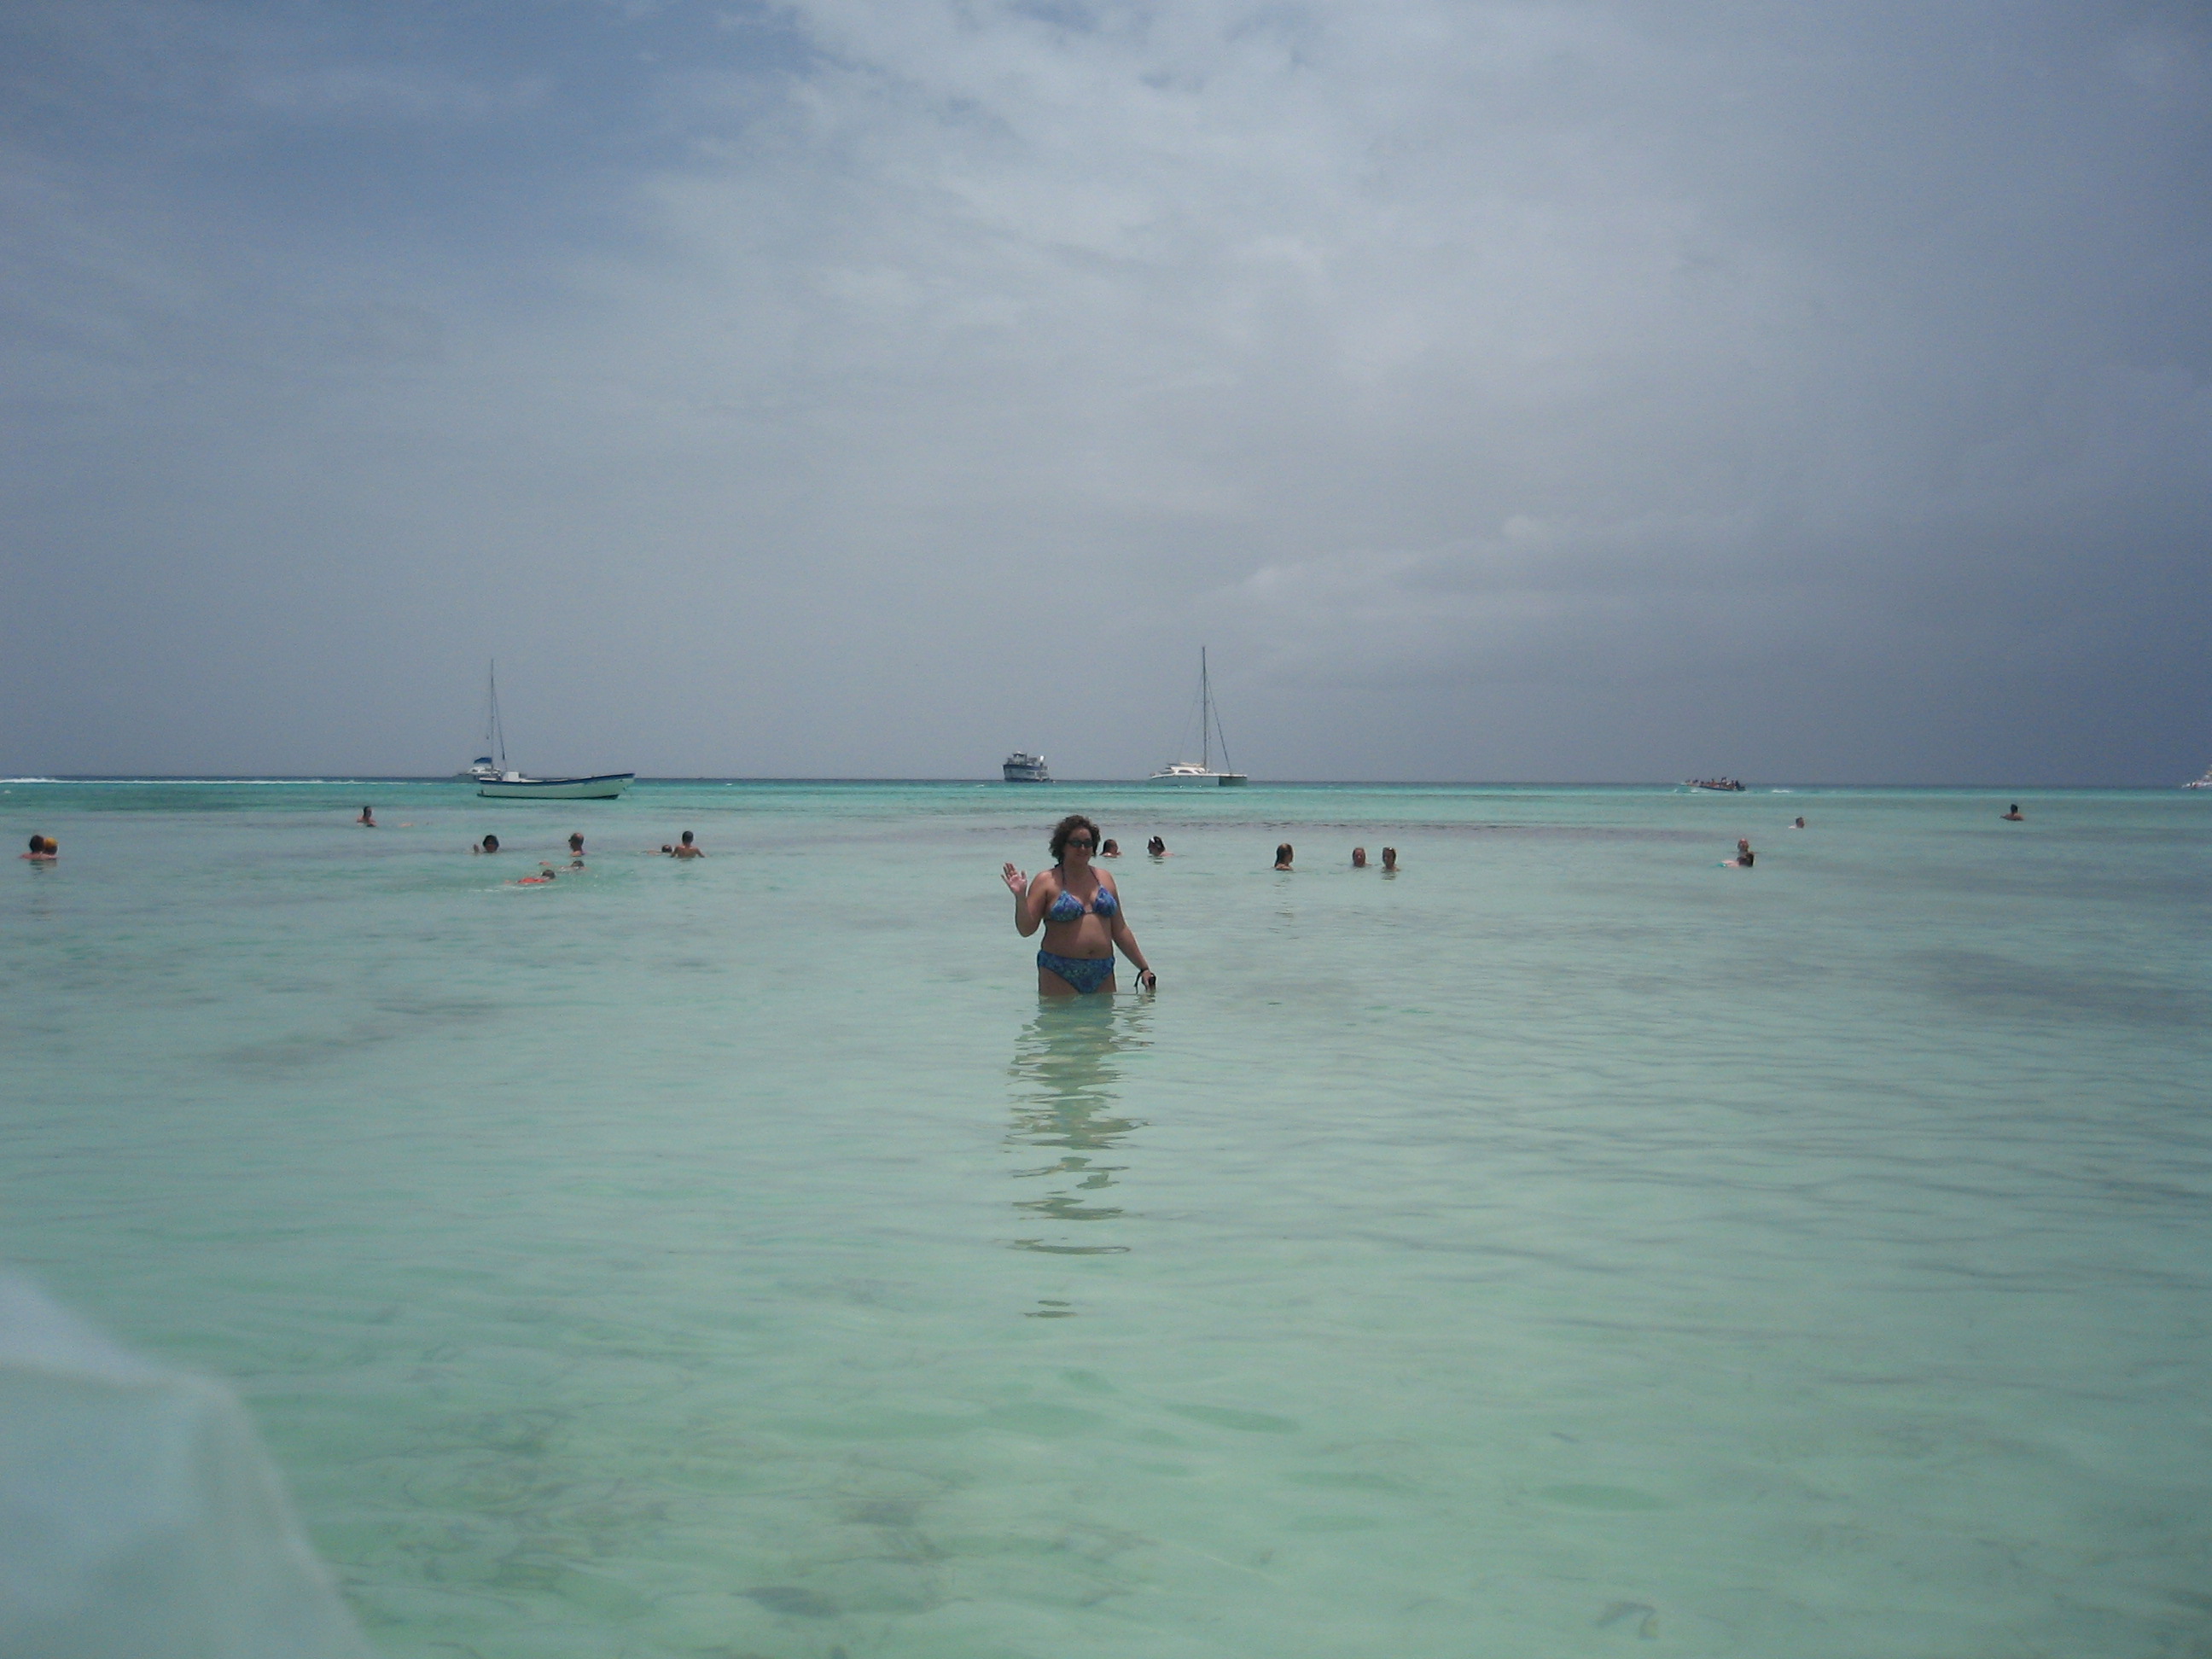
(1282, 853)
(1073, 824)
(576, 841)
(687, 837)
(1359, 858)
(491, 844)
(1157, 844)
(37, 843)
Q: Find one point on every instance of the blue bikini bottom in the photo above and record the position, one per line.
(1085, 974)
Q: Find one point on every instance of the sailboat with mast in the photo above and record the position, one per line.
(1201, 772)
(495, 782)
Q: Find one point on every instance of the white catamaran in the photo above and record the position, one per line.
(494, 781)
(1201, 772)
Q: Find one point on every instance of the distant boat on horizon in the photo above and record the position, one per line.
(495, 782)
(1201, 771)
(2204, 783)
(1022, 767)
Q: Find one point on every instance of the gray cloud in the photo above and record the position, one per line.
(1602, 390)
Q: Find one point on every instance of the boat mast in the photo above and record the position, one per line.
(1205, 714)
(1211, 716)
(493, 733)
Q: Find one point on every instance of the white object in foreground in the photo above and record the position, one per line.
(139, 1517)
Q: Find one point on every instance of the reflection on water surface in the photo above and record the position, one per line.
(1066, 1071)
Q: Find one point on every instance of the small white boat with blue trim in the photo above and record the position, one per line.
(494, 781)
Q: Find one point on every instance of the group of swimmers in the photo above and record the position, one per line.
(1158, 848)
(1077, 977)
(686, 847)
(1745, 858)
(1358, 859)
(1286, 855)
(1077, 958)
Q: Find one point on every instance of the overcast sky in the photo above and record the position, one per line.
(867, 387)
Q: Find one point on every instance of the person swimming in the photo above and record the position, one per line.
(1112, 849)
(367, 820)
(42, 850)
(1745, 858)
(1359, 858)
(576, 845)
(1080, 913)
(684, 850)
(1799, 824)
(1282, 855)
(488, 844)
(2015, 816)
(1158, 848)
(1389, 860)
(533, 881)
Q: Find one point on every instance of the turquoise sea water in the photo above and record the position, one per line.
(1566, 1247)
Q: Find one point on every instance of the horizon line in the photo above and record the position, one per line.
(334, 780)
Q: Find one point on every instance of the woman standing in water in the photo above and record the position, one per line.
(1081, 915)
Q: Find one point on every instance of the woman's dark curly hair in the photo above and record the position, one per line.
(1067, 827)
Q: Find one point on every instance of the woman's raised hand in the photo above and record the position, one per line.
(1017, 883)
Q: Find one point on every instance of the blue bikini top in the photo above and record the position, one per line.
(1068, 907)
